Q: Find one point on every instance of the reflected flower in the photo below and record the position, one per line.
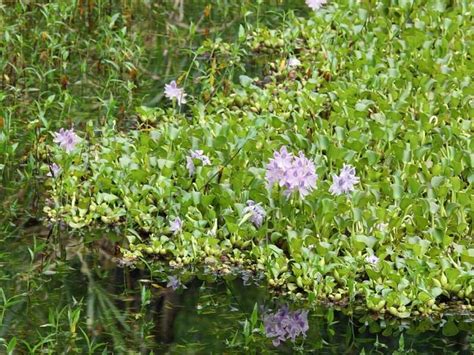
(176, 226)
(315, 4)
(174, 283)
(66, 139)
(284, 324)
(173, 91)
(257, 213)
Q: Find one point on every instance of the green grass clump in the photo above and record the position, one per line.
(387, 89)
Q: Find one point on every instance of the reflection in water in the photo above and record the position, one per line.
(89, 300)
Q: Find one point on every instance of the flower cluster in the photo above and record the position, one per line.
(293, 173)
(257, 213)
(173, 91)
(66, 139)
(345, 181)
(315, 4)
(284, 324)
(199, 155)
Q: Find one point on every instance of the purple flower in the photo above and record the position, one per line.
(315, 4)
(172, 91)
(176, 226)
(199, 155)
(293, 63)
(344, 183)
(174, 283)
(257, 213)
(66, 139)
(54, 170)
(284, 324)
(294, 174)
(372, 259)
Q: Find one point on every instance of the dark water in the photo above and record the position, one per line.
(69, 297)
(123, 310)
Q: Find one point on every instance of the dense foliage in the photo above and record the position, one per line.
(385, 89)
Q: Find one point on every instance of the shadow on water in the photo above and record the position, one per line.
(87, 303)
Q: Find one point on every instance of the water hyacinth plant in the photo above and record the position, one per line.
(256, 212)
(345, 181)
(315, 4)
(66, 139)
(392, 232)
(196, 155)
(293, 173)
(174, 92)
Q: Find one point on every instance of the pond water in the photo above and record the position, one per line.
(74, 299)
(87, 304)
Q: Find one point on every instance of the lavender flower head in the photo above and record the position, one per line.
(293, 62)
(257, 213)
(66, 139)
(284, 324)
(176, 226)
(315, 4)
(344, 183)
(174, 283)
(199, 155)
(173, 91)
(372, 259)
(293, 173)
(54, 170)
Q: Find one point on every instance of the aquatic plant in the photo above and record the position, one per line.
(293, 173)
(256, 213)
(174, 92)
(315, 4)
(198, 155)
(375, 117)
(66, 139)
(345, 181)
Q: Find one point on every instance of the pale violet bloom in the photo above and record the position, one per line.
(66, 139)
(372, 259)
(382, 226)
(293, 173)
(257, 213)
(173, 91)
(293, 62)
(315, 4)
(176, 225)
(199, 155)
(174, 283)
(344, 183)
(285, 324)
(54, 170)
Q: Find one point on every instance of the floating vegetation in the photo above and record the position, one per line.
(356, 159)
